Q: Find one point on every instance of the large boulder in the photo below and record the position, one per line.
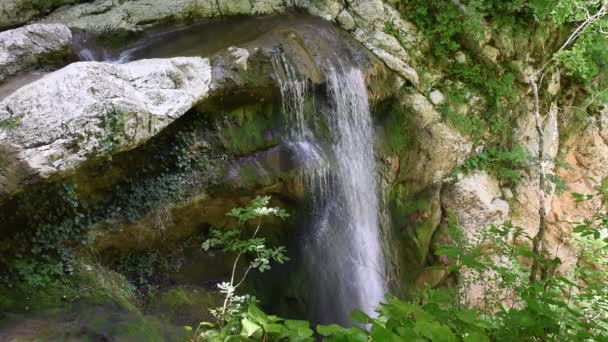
(476, 201)
(28, 47)
(441, 147)
(89, 109)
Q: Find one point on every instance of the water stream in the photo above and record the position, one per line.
(342, 251)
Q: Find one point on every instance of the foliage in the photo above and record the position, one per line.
(113, 125)
(570, 304)
(238, 317)
(144, 270)
(504, 164)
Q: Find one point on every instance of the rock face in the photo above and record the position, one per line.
(16, 12)
(366, 19)
(476, 201)
(30, 46)
(442, 148)
(89, 109)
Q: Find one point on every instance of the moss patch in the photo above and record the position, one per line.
(91, 283)
(184, 305)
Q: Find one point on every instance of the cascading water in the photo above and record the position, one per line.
(342, 253)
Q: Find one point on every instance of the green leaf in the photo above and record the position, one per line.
(256, 314)
(360, 317)
(475, 336)
(249, 328)
(328, 330)
(301, 328)
(380, 333)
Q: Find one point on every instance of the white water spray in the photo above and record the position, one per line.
(342, 253)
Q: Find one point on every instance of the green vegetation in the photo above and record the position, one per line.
(143, 270)
(41, 289)
(567, 305)
(505, 165)
(10, 123)
(113, 125)
(239, 313)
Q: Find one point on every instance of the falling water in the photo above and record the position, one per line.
(342, 251)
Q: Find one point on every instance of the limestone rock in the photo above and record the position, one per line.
(490, 53)
(526, 201)
(404, 31)
(26, 47)
(587, 157)
(369, 14)
(90, 109)
(436, 97)
(366, 18)
(241, 56)
(442, 148)
(326, 9)
(17, 12)
(346, 21)
(475, 200)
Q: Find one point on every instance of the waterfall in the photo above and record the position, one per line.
(341, 251)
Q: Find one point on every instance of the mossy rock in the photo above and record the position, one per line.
(90, 323)
(415, 217)
(184, 305)
(90, 284)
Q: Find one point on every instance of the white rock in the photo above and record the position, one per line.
(25, 47)
(554, 83)
(69, 116)
(436, 97)
(461, 57)
(368, 14)
(241, 56)
(475, 200)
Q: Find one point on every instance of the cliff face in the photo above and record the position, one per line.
(141, 156)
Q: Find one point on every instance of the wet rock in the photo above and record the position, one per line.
(241, 56)
(30, 46)
(90, 109)
(366, 19)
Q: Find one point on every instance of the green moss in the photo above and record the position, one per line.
(11, 123)
(90, 284)
(184, 305)
(249, 128)
(113, 124)
(414, 215)
(396, 135)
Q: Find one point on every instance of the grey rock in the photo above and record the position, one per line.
(436, 97)
(90, 109)
(346, 21)
(475, 200)
(26, 47)
(18, 12)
